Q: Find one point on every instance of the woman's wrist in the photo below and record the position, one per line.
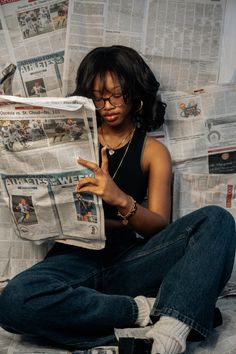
(128, 211)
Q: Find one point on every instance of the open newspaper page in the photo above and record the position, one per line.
(227, 71)
(37, 32)
(94, 24)
(181, 41)
(201, 129)
(39, 170)
(7, 68)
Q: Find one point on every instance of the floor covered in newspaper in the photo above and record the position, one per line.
(221, 341)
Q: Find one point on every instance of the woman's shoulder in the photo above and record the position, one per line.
(155, 152)
(153, 145)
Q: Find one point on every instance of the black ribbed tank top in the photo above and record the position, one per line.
(129, 177)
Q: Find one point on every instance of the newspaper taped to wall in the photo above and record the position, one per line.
(41, 140)
(36, 32)
(201, 129)
(181, 43)
(195, 190)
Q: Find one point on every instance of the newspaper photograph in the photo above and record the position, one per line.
(37, 32)
(39, 148)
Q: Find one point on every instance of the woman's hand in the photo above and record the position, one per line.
(102, 184)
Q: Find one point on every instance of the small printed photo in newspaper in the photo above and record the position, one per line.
(23, 209)
(60, 131)
(189, 108)
(22, 135)
(222, 162)
(36, 88)
(42, 19)
(59, 13)
(85, 208)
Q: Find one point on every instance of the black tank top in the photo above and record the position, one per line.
(129, 177)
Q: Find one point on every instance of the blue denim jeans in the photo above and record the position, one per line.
(76, 297)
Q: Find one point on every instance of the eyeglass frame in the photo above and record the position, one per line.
(108, 99)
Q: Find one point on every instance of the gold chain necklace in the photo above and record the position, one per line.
(125, 153)
(111, 150)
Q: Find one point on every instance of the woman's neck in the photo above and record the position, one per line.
(115, 137)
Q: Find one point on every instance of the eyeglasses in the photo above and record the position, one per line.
(115, 100)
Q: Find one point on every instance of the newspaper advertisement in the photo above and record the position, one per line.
(39, 171)
(37, 33)
(181, 42)
(200, 128)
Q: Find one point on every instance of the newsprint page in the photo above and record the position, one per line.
(41, 139)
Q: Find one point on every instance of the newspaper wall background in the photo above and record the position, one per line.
(181, 41)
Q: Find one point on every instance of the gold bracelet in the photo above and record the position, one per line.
(132, 211)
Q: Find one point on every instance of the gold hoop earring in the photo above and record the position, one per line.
(140, 107)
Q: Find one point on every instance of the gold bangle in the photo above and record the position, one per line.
(132, 211)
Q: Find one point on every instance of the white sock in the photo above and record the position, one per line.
(145, 305)
(169, 336)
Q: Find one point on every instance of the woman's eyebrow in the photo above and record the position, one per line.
(112, 88)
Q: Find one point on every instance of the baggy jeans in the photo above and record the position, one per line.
(75, 299)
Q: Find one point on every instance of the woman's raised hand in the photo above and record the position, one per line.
(101, 184)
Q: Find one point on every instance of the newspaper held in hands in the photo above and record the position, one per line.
(39, 147)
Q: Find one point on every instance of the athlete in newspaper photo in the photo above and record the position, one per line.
(35, 22)
(13, 135)
(25, 210)
(59, 14)
(69, 129)
(86, 210)
(151, 270)
(38, 89)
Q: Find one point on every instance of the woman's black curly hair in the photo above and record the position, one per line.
(137, 81)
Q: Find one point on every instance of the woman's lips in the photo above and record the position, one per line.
(110, 117)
